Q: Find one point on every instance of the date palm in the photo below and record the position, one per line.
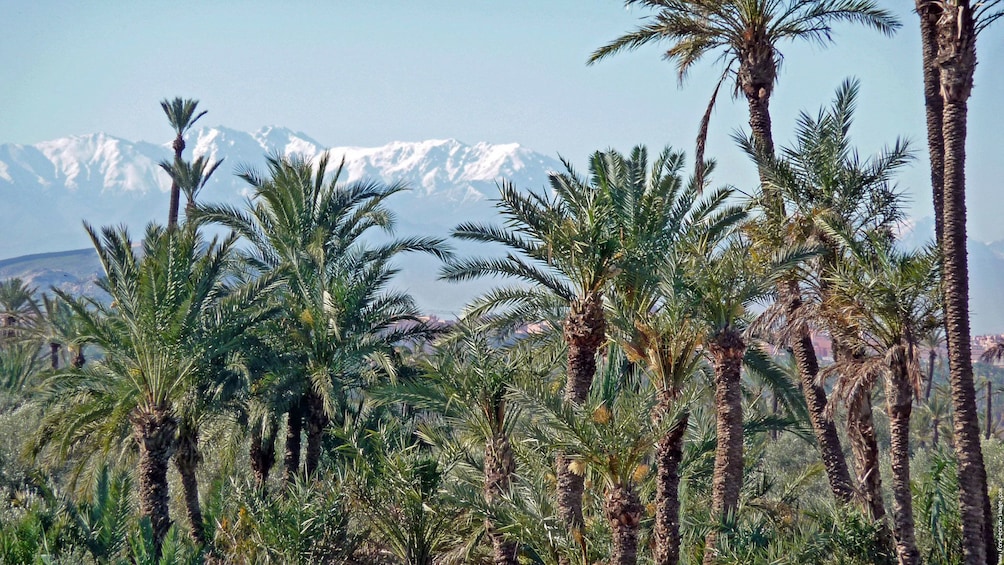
(562, 250)
(885, 301)
(190, 177)
(656, 217)
(181, 115)
(172, 314)
(744, 36)
(825, 187)
(306, 227)
(955, 32)
(611, 434)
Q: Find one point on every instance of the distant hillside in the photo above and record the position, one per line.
(71, 271)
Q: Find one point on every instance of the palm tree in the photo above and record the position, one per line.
(563, 250)
(826, 188)
(172, 314)
(467, 384)
(744, 34)
(611, 434)
(190, 178)
(886, 300)
(181, 116)
(956, 30)
(656, 216)
(933, 342)
(721, 284)
(339, 318)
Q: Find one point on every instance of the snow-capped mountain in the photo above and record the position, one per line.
(48, 189)
(104, 179)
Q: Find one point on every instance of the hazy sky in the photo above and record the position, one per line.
(366, 72)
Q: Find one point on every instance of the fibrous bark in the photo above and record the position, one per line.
(669, 454)
(584, 331)
(727, 349)
(499, 467)
(153, 431)
(623, 509)
(291, 457)
(899, 402)
(956, 37)
(316, 420)
(186, 460)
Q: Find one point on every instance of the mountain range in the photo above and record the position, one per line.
(50, 188)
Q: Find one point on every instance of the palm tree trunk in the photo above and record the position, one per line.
(262, 455)
(727, 349)
(623, 511)
(990, 409)
(669, 454)
(957, 60)
(823, 426)
(931, 356)
(294, 428)
(499, 467)
(54, 355)
(153, 431)
(316, 421)
(172, 214)
(899, 401)
(79, 359)
(861, 434)
(186, 460)
(584, 332)
(929, 13)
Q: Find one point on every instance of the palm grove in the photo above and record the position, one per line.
(642, 386)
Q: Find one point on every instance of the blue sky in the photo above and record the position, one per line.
(366, 72)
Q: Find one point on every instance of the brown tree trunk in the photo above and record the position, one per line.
(623, 510)
(499, 467)
(584, 332)
(79, 359)
(186, 460)
(316, 421)
(262, 454)
(669, 454)
(823, 426)
(990, 409)
(929, 13)
(54, 355)
(727, 349)
(172, 213)
(931, 357)
(957, 61)
(291, 457)
(153, 431)
(861, 434)
(899, 402)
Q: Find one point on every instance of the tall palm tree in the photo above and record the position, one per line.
(563, 250)
(887, 301)
(824, 187)
(933, 342)
(656, 216)
(956, 31)
(721, 285)
(744, 35)
(181, 115)
(190, 178)
(172, 314)
(337, 311)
